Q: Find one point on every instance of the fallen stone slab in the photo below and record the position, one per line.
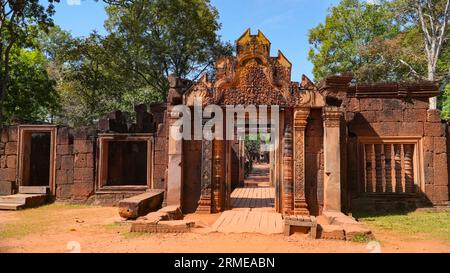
(156, 226)
(140, 205)
(177, 226)
(354, 230)
(144, 226)
(331, 232)
(173, 212)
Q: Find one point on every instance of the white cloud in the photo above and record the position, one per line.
(373, 2)
(73, 2)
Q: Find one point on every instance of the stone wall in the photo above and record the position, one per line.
(384, 117)
(161, 156)
(8, 159)
(75, 172)
(314, 162)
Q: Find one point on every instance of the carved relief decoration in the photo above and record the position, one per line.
(254, 77)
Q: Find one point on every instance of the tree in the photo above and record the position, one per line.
(432, 18)
(17, 19)
(31, 94)
(343, 42)
(153, 39)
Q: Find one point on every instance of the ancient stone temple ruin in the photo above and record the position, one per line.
(340, 145)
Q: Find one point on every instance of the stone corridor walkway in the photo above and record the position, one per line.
(253, 207)
(257, 192)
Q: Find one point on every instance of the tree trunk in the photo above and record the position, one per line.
(431, 77)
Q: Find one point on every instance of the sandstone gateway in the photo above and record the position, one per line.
(343, 146)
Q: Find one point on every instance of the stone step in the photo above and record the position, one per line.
(11, 206)
(34, 189)
(27, 200)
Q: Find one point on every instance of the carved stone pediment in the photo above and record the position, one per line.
(253, 77)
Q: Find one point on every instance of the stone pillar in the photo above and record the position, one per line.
(300, 122)
(332, 158)
(204, 204)
(218, 175)
(174, 169)
(288, 205)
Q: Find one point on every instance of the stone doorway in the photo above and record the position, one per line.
(125, 162)
(37, 154)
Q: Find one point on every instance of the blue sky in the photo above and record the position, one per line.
(284, 22)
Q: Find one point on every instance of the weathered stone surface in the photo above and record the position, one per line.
(64, 149)
(11, 148)
(434, 129)
(410, 129)
(177, 226)
(440, 145)
(83, 146)
(428, 144)
(393, 104)
(84, 174)
(11, 161)
(140, 205)
(12, 134)
(64, 136)
(6, 188)
(154, 217)
(352, 230)
(84, 161)
(434, 116)
(390, 115)
(82, 189)
(34, 190)
(440, 194)
(331, 232)
(4, 135)
(353, 105)
(371, 104)
(414, 115)
(173, 212)
(369, 116)
(8, 174)
(440, 170)
(386, 128)
(67, 162)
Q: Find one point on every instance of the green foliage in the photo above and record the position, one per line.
(444, 100)
(31, 94)
(340, 44)
(153, 39)
(19, 22)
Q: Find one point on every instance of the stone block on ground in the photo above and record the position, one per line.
(352, 230)
(177, 226)
(173, 212)
(156, 226)
(140, 205)
(331, 232)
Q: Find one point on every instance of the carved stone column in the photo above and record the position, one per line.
(218, 174)
(300, 122)
(204, 204)
(332, 158)
(175, 170)
(288, 205)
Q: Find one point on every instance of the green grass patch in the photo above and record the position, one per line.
(435, 225)
(35, 220)
(361, 238)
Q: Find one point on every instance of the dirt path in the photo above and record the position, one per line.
(58, 228)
